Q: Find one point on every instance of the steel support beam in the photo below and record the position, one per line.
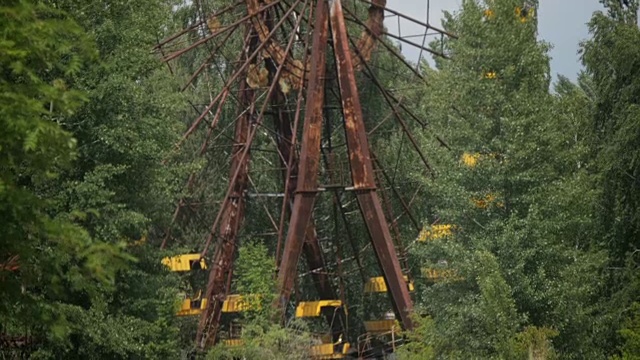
(232, 216)
(307, 185)
(311, 247)
(362, 171)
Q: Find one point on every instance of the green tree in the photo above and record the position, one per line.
(44, 256)
(630, 332)
(523, 210)
(129, 125)
(611, 59)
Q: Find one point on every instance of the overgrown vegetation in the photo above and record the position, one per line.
(541, 182)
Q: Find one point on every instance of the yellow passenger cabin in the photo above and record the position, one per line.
(186, 262)
(191, 307)
(233, 342)
(314, 308)
(338, 350)
(239, 303)
(382, 326)
(326, 349)
(378, 285)
(232, 337)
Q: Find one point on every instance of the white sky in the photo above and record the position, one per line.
(561, 23)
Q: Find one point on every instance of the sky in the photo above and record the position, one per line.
(560, 22)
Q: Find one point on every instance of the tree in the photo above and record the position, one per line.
(517, 184)
(611, 60)
(43, 256)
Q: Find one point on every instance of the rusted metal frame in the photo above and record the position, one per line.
(231, 123)
(209, 58)
(398, 56)
(221, 31)
(404, 108)
(422, 48)
(354, 248)
(168, 65)
(280, 8)
(380, 123)
(213, 52)
(266, 210)
(339, 327)
(214, 122)
(221, 132)
(336, 196)
(279, 136)
(362, 171)
(184, 31)
(174, 217)
(282, 133)
(224, 29)
(424, 41)
(395, 192)
(406, 211)
(204, 145)
(285, 144)
(290, 168)
(234, 77)
(232, 215)
(399, 103)
(389, 215)
(258, 120)
(307, 186)
(413, 141)
(414, 20)
(342, 325)
(404, 126)
(311, 247)
(296, 29)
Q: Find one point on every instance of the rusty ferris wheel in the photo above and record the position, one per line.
(295, 88)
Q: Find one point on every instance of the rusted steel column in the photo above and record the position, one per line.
(362, 171)
(311, 247)
(232, 216)
(307, 186)
(284, 139)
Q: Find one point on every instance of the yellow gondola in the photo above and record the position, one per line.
(191, 307)
(328, 351)
(378, 285)
(186, 262)
(382, 326)
(314, 308)
(238, 303)
(233, 342)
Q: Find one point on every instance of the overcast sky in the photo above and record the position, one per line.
(561, 23)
